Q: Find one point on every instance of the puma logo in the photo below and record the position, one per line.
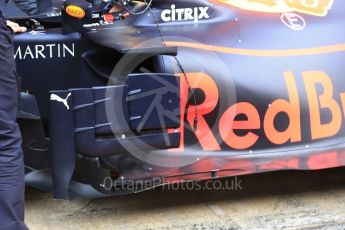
(57, 98)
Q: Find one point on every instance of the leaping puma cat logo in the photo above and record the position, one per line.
(57, 98)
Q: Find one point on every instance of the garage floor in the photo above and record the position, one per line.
(283, 200)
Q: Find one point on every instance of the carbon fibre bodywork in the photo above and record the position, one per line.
(266, 94)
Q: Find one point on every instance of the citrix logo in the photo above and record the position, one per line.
(185, 14)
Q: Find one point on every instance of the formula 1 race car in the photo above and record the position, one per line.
(168, 91)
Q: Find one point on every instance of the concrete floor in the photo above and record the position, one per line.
(283, 200)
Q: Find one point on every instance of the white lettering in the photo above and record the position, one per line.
(45, 51)
(50, 46)
(70, 51)
(28, 52)
(186, 14)
(18, 52)
(39, 51)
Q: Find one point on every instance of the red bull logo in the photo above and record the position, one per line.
(229, 125)
(313, 7)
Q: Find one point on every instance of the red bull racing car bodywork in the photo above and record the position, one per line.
(180, 90)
